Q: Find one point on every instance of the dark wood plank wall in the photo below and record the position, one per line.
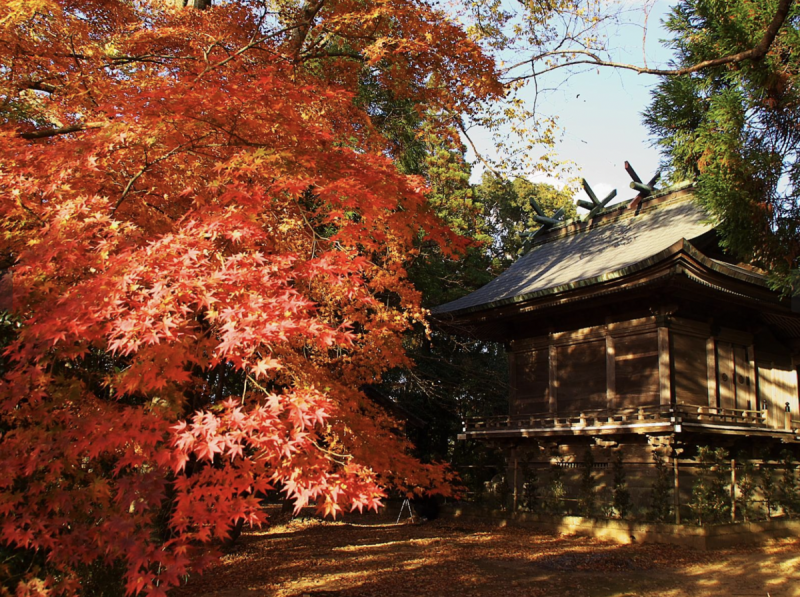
(617, 366)
(531, 375)
(726, 389)
(690, 369)
(636, 365)
(582, 377)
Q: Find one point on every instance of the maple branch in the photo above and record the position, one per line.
(755, 54)
(138, 175)
(478, 154)
(309, 12)
(244, 49)
(63, 130)
(338, 54)
(38, 86)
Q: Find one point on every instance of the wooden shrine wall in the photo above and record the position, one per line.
(636, 370)
(596, 368)
(581, 377)
(530, 380)
(630, 364)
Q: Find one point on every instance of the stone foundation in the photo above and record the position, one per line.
(622, 531)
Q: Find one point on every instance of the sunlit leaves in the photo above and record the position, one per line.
(187, 201)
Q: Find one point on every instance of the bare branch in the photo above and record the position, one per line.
(64, 130)
(144, 169)
(755, 54)
(38, 86)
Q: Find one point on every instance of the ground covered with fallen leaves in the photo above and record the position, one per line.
(373, 556)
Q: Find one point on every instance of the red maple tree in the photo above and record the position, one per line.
(191, 197)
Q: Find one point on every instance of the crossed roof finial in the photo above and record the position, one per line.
(645, 190)
(546, 222)
(596, 206)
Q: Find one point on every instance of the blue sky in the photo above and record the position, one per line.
(599, 110)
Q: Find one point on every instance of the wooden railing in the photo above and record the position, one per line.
(627, 417)
(712, 414)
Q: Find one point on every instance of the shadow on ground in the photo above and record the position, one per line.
(374, 557)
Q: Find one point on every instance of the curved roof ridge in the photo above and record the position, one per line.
(592, 253)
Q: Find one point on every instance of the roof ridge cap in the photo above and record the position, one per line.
(669, 197)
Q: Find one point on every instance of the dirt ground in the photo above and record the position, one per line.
(372, 556)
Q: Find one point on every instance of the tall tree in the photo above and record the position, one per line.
(733, 124)
(194, 202)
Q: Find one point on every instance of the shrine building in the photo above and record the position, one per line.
(630, 329)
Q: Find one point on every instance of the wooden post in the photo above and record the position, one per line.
(711, 360)
(611, 374)
(677, 497)
(553, 390)
(516, 491)
(663, 366)
(733, 490)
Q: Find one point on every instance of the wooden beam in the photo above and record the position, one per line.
(677, 489)
(711, 360)
(611, 373)
(552, 392)
(664, 369)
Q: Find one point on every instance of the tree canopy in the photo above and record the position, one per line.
(733, 126)
(208, 238)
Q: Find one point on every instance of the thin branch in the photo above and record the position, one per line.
(64, 130)
(38, 86)
(244, 49)
(478, 154)
(755, 54)
(144, 169)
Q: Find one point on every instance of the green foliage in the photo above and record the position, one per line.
(556, 492)
(455, 378)
(769, 490)
(733, 127)
(710, 501)
(621, 497)
(530, 487)
(788, 496)
(746, 483)
(508, 213)
(660, 492)
(588, 495)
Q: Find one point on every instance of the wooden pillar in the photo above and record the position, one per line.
(553, 390)
(711, 360)
(753, 377)
(733, 490)
(676, 498)
(664, 373)
(515, 494)
(611, 374)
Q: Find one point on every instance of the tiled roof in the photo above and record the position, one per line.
(590, 252)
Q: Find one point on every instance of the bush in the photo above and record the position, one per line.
(555, 490)
(588, 496)
(788, 497)
(530, 487)
(746, 482)
(710, 501)
(621, 497)
(768, 489)
(660, 503)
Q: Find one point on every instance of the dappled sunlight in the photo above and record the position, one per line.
(313, 557)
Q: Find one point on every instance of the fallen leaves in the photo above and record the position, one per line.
(372, 556)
